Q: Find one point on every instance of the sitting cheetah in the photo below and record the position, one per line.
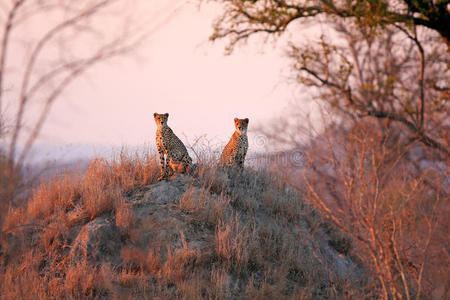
(177, 158)
(234, 153)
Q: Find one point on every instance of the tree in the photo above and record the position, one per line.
(394, 213)
(244, 18)
(377, 167)
(45, 46)
(382, 59)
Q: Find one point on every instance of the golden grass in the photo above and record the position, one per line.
(233, 242)
(248, 237)
(125, 217)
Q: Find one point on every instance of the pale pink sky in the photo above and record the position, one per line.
(177, 71)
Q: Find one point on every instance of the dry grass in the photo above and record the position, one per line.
(125, 217)
(364, 221)
(46, 224)
(247, 236)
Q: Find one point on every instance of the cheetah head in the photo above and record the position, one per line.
(161, 119)
(241, 125)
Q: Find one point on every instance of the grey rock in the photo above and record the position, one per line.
(97, 241)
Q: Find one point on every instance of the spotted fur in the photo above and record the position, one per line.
(172, 152)
(235, 151)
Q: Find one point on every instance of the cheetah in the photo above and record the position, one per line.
(172, 152)
(234, 153)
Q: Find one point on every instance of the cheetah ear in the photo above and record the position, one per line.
(236, 120)
(246, 120)
(167, 115)
(154, 115)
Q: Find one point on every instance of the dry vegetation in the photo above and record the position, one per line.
(366, 217)
(386, 191)
(116, 233)
(378, 169)
(391, 196)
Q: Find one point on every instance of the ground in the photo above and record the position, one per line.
(205, 237)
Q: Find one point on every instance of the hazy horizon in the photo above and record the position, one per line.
(176, 71)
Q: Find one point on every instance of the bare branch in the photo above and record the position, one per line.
(31, 63)
(368, 109)
(76, 68)
(3, 50)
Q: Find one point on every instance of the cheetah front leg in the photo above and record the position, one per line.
(167, 168)
(162, 163)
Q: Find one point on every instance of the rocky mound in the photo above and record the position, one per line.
(208, 237)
